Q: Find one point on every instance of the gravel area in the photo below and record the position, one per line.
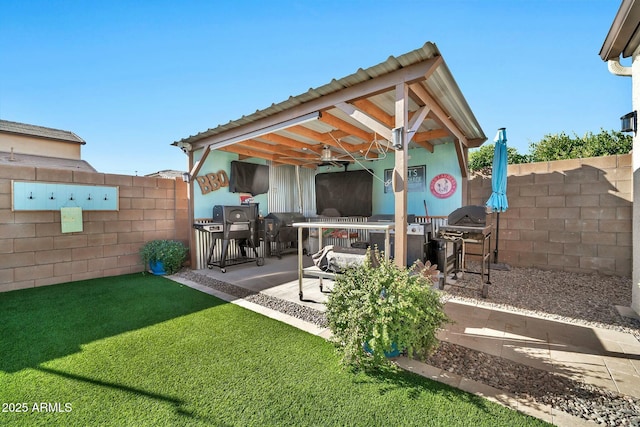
(584, 299)
(296, 310)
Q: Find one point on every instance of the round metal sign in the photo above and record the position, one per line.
(443, 185)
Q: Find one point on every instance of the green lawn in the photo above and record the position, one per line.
(141, 350)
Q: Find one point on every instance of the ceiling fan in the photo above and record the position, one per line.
(327, 157)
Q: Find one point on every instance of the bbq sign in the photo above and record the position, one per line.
(443, 185)
(212, 181)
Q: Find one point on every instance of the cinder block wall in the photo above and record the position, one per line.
(572, 215)
(34, 251)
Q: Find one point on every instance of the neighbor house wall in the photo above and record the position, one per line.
(573, 215)
(35, 146)
(34, 251)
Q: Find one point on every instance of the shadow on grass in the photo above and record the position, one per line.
(392, 378)
(177, 404)
(42, 324)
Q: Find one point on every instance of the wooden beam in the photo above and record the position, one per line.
(442, 117)
(410, 74)
(289, 142)
(423, 138)
(365, 120)
(248, 152)
(416, 120)
(368, 146)
(198, 165)
(347, 127)
(328, 138)
(261, 155)
(275, 149)
(426, 145)
(431, 134)
(278, 163)
(462, 158)
(428, 100)
(306, 132)
(376, 112)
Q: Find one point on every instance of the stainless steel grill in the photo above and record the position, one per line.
(468, 234)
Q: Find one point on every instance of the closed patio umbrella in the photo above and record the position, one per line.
(498, 200)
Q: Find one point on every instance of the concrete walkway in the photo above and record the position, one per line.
(604, 358)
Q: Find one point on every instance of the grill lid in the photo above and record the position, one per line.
(471, 216)
(285, 219)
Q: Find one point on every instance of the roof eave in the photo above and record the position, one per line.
(48, 138)
(622, 38)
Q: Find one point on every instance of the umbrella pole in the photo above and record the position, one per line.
(495, 252)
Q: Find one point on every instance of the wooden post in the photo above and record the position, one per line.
(400, 175)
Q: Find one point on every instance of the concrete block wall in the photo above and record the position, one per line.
(34, 251)
(572, 215)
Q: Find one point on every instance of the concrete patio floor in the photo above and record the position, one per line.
(604, 358)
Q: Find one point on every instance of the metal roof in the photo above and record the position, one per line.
(371, 90)
(39, 132)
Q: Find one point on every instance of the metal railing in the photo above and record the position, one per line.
(336, 236)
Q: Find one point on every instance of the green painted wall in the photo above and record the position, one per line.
(216, 161)
(442, 160)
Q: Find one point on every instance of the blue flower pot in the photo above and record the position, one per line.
(157, 268)
(395, 352)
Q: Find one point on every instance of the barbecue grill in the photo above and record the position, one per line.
(466, 229)
(281, 232)
(234, 223)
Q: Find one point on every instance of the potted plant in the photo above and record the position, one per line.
(377, 309)
(163, 256)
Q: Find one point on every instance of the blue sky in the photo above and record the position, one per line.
(131, 77)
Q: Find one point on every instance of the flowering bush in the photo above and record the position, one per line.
(378, 307)
(170, 252)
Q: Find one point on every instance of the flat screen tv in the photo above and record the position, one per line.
(347, 193)
(248, 178)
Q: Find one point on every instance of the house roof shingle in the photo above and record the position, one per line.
(39, 131)
(17, 159)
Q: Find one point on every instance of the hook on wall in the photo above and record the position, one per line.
(105, 197)
(89, 198)
(51, 197)
(30, 195)
(71, 197)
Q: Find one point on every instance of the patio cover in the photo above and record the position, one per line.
(406, 101)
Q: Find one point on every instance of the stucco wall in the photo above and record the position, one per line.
(34, 251)
(573, 215)
(39, 146)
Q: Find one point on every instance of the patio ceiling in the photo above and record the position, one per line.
(353, 117)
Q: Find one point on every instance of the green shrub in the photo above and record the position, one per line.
(386, 307)
(170, 252)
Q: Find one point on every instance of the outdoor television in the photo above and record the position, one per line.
(249, 178)
(349, 193)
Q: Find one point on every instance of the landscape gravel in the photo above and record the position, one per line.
(584, 299)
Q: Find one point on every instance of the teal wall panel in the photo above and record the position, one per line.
(216, 161)
(442, 161)
(51, 196)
